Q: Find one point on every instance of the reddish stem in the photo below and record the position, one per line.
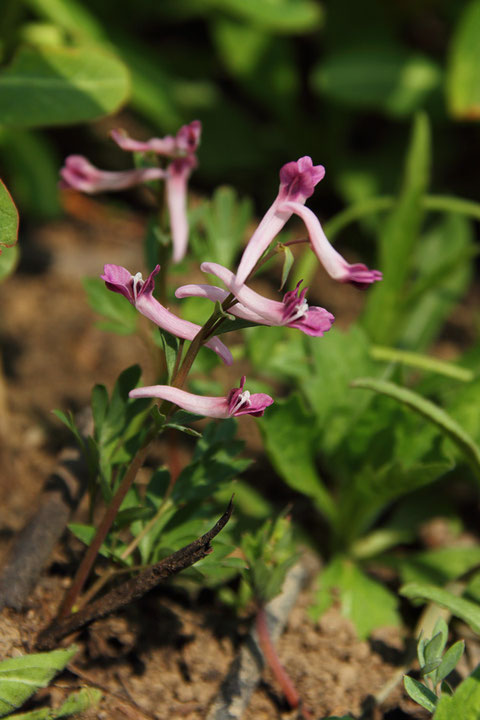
(271, 658)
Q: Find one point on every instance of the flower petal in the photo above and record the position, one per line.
(160, 146)
(216, 294)
(216, 407)
(335, 265)
(178, 174)
(270, 310)
(79, 174)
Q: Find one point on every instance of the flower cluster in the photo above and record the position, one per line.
(297, 183)
(79, 174)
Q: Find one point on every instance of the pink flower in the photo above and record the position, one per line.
(79, 174)
(293, 311)
(139, 293)
(185, 142)
(179, 172)
(297, 183)
(181, 149)
(237, 402)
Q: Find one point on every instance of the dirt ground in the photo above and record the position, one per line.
(165, 657)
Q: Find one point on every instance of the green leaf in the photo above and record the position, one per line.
(111, 305)
(340, 357)
(8, 218)
(465, 701)
(290, 441)
(392, 79)
(31, 159)
(61, 86)
(170, 345)
(69, 15)
(289, 16)
(450, 660)
(422, 362)
(8, 261)
(183, 428)
(366, 602)
(398, 238)
(464, 609)
(463, 81)
(221, 225)
(438, 566)
(287, 264)
(443, 272)
(77, 702)
(431, 412)
(420, 693)
(20, 677)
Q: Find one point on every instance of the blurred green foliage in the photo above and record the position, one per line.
(269, 80)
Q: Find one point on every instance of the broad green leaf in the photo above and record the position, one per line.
(20, 677)
(464, 609)
(289, 16)
(335, 362)
(8, 218)
(77, 702)
(464, 703)
(431, 412)
(8, 261)
(366, 602)
(438, 566)
(422, 362)
(450, 660)
(122, 315)
(69, 15)
(420, 693)
(290, 441)
(463, 407)
(61, 86)
(398, 238)
(463, 80)
(372, 489)
(388, 78)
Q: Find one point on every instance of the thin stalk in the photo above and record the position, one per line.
(105, 525)
(271, 658)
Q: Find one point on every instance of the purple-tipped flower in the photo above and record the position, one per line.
(336, 266)
(185, 142)
(293, 311)
(139, 293)
(78, 173)
(297, 183)
(237, 402)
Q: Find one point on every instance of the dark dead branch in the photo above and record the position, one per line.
(134, 588)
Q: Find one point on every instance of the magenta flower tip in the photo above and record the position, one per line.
(299, 178)
(360, 276)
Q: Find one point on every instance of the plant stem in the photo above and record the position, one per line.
(105, 525)
(272, 660)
